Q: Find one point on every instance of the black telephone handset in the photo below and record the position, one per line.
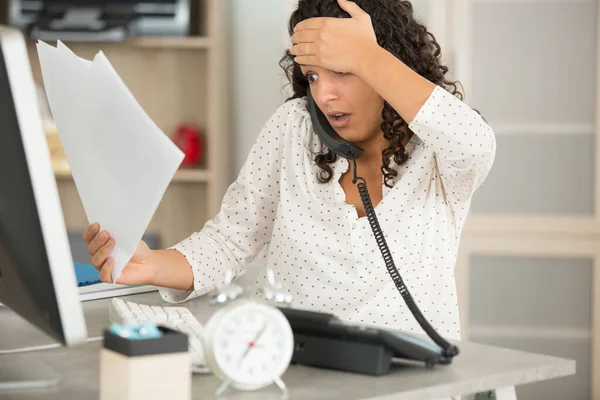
(350, 151)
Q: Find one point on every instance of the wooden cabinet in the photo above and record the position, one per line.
(176, 80)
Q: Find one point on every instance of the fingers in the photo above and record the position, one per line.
(106, 271)
(311, 23)
(100, 240)
(100, 245)
(101, 255)
(351, 8)
(303, 49)
(306, 36)
(90, 232)
(306, 60)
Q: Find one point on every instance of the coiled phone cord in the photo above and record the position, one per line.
(449, 350)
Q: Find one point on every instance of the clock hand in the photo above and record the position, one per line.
(253, 342)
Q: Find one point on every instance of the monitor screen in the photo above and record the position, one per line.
(37, 278)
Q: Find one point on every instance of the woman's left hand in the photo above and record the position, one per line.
(336, 44)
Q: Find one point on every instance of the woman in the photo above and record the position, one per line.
(376, 73)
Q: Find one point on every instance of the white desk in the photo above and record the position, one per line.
(477, 368)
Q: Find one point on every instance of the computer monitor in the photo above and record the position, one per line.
(37, 277)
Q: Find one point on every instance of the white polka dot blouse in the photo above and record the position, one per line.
(318, 247)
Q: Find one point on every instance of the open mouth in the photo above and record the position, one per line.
(338, 116)
(338, 120)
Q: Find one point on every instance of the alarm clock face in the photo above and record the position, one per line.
(250, 343)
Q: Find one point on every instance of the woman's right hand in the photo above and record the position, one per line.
(139, 270)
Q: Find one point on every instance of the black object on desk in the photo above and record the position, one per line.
(323, 340)
(170, 342)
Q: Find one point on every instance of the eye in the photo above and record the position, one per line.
(311, 77)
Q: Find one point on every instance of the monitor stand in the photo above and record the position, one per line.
(25, 372)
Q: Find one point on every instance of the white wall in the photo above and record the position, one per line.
(257, 38)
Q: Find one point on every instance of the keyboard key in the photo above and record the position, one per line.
(147, 309)
(177, 308)
(158, 318)
(139, 314)
(158, 310)
(186, 313)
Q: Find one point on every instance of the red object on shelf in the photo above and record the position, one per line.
(189, 140)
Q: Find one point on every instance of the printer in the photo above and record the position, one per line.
(99, 20)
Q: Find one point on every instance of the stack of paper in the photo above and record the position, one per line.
(121, 161)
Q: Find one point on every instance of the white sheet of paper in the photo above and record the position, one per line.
(121, 161)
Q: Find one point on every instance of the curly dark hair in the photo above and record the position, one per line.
(401, 34)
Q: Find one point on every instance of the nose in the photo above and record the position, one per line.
(324, 91)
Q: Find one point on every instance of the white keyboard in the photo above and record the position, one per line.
(176, 318)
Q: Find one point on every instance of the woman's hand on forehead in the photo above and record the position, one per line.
(336, 44)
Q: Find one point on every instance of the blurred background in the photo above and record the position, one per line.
(206, 71)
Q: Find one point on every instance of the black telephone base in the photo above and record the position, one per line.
(344, 355)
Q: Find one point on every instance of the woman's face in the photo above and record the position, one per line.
(352, 107)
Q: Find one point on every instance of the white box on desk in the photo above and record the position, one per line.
(145, 369)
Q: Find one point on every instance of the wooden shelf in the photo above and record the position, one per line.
(175, 80)
(171, 42)
(181, 176)
(192, 175)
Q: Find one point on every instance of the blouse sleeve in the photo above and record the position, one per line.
(463, 143)
(244, 222)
